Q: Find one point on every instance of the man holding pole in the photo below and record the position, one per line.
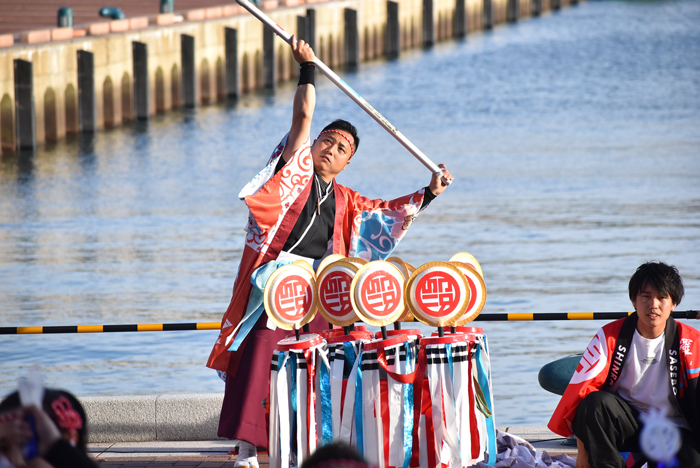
(297, 210)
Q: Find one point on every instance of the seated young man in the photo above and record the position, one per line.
(633, 365)
(297, 210)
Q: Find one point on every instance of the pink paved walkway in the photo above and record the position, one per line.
(204, 461)
(22, 15)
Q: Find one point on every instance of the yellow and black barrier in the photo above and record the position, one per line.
(557, 316)
(149, 327)
(152, 327)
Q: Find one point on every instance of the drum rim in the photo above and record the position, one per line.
(450, 338)
(475, 332)
(404, 331)
(389, 342)
(315, 340)
(361, 335)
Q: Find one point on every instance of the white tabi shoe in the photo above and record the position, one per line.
(247, 455)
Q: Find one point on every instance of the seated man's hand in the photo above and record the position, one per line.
(582, 457)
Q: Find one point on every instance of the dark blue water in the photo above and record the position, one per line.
(574, 140)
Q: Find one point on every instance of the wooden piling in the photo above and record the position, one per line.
(25, 124)
(536, 8)
(189, 71)
(392, 45)
(302, 30)
(428, 23)
(233, 80)
(311, 28)
(352, 39)
(141, 88)
(269, 59)
(512, 11)
(87, 110)
(487, 20)
(459, 28)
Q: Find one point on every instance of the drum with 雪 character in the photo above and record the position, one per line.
(377, 293)
(290, 296)
(438, 294)
(333, 288)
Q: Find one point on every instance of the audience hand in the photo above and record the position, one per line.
(47, 432)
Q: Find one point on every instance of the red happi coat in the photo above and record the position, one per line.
(603, 360)
(363, 227)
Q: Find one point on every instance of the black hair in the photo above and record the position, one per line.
(336, 454)
(660, 276)
(345, 126)
(65, 411)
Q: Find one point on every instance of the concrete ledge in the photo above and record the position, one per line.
(186, 425)
(138, 23)
(119, 25)
(7, 40)
(214, 12)
(269, 4)
(152, 418)
(195, 15)
(121, 419)
(97, 29)
(188, 417)
(230, 10)
(61, 34)
(543, 440)
(537, 436)
(35, 37)
(161, 449)
(164, 19)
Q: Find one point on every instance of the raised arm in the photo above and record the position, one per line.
(304, 99)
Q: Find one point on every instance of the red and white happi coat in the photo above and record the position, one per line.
(604, 358)
(365, 228)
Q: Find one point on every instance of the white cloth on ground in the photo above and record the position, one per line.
(515, 452)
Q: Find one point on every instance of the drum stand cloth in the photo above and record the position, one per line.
(402, 403)
(457, 426)
(345, 357)
(388, 370)
(299, 402)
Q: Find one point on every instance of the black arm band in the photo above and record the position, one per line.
(428, 196)
(307, 73)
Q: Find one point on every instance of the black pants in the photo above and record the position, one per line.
(607, 425)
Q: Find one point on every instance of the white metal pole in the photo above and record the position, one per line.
(379, 118)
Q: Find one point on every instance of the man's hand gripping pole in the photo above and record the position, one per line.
(330, 74)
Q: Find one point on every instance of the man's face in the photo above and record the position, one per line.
(331, 153)
(653, 310)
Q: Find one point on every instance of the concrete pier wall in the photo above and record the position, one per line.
(152, 417)
(55, 64)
